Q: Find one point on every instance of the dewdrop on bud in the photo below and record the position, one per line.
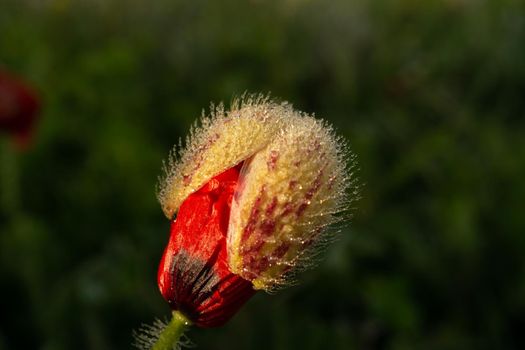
(250, 198)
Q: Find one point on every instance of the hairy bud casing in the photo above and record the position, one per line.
(256, 189)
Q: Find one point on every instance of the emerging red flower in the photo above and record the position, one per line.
(193, 274)
(19, 106)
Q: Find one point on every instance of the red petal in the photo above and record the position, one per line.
(193, 274)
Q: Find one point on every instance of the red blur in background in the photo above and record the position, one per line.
(19, 109)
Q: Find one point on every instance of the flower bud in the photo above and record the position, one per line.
(255, 190)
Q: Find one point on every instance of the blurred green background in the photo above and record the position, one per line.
(430, 94)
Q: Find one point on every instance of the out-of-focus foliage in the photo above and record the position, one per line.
(431, 95)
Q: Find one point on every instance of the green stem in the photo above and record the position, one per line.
(172, 333)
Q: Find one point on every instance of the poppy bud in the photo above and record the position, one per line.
(254, 190)
(19, 106)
